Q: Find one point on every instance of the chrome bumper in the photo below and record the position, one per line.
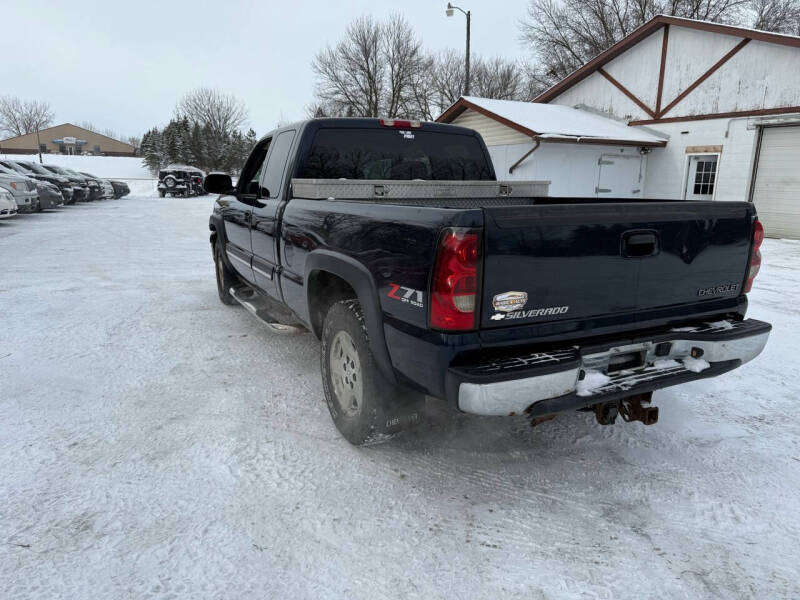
(730, 349)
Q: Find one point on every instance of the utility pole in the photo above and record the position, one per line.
(38, 144)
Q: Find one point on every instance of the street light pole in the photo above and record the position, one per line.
(468, 14)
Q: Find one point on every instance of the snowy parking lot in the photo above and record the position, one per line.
(157, 444)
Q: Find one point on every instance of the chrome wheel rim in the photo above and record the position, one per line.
(346, 373)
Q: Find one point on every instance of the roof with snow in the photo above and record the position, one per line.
(553, 122)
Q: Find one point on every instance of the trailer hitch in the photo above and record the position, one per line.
(631, 409)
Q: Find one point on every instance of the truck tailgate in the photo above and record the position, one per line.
(572, 261)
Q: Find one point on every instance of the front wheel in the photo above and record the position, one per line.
(364, 406)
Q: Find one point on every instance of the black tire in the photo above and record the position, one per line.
(162, 193)
(381, 410)
(225, 278)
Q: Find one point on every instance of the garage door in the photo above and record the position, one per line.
(776, 193)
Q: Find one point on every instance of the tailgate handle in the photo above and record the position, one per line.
(638, 244)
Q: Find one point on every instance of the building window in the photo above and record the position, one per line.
(705, 176)
(43, 148)
(62, 148)
(97, 150)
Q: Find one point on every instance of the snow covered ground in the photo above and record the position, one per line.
(157, 444)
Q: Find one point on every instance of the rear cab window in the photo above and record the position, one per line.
(394, 154)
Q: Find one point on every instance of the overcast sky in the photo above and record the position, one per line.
(124, 65)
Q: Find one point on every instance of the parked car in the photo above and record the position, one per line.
(44, 196)
(49, 195)
(8, 208)
(174, 182)
(38, 172)
(458, 287)
(107, 190)
(180, 180)
(80, 186)
(23, 189)
(95, 189)
(120, 188)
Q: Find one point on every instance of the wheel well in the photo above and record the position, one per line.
(324, 290)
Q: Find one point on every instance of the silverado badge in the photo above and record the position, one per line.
(510, 301)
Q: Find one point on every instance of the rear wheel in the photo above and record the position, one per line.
(364, 406)
(225, 278)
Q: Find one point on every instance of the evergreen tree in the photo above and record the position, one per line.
(184, 142)
(152, 150)
(197, 146)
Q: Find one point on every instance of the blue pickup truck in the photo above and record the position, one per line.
(422, 275)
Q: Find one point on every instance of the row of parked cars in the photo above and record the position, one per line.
(27, 186)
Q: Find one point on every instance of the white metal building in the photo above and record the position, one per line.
(580, 153)
(726, 98)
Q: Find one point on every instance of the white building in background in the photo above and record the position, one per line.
(580, 153)
(725, 99)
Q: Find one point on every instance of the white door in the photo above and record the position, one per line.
(702, 176)
(619, 177)
(776, 192)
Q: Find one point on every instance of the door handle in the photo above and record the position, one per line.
(639, 244)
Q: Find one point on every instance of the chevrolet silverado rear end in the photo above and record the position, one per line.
(581, 305)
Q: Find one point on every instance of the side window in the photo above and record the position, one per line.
(251, 174)
(277, 163)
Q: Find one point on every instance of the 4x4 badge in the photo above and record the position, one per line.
(510, 301)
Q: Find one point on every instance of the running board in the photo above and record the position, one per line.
(257, 307)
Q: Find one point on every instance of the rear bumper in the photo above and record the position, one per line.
(543, 383)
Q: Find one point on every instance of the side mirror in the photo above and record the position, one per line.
(218, 183)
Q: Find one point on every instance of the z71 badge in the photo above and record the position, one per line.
(405, 294)
(510, 301)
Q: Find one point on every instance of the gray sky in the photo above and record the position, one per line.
(124, 65)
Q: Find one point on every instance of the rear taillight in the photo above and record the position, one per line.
(402, 124)
(454, 288)
(755, 254)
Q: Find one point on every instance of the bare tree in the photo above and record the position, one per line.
(448, 75)
(442, 80)
(370, 71)
(781, 16)
(221, 113)
(402, 50)
(565, 34)
(20, 117)
(497, 78)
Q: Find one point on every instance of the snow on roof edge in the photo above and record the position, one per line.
(555, 120)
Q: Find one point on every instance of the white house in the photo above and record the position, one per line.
(580, 153)
(727, 99)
